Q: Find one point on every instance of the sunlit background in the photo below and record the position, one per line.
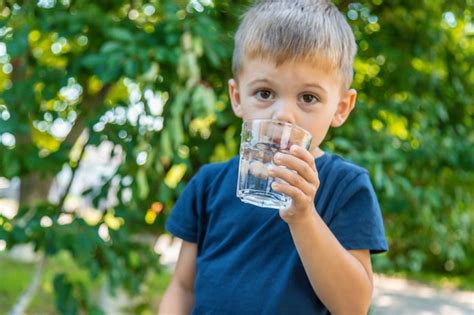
(108, 108)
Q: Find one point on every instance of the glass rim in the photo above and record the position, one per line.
(278, 122)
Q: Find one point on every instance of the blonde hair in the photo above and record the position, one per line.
(295, 30)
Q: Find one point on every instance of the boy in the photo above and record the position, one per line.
(292, 63)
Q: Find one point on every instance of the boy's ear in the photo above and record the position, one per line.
(234, 94)
(344, 108)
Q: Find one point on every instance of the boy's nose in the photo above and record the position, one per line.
(284, 111)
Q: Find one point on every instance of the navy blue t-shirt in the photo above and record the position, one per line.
(246, 261)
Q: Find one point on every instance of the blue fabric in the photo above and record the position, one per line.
(247, 262)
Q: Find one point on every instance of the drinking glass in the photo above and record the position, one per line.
(261, 139)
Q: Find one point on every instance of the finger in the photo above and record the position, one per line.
(303, 154)
(294, 193)
(299, 164)
(292, 178)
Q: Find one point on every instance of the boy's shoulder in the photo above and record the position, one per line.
(216, 171)
(337, 173)
(337, 164)
(217, 167)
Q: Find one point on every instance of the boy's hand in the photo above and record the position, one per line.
(302, 182)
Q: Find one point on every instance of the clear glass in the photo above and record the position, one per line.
(260, 140)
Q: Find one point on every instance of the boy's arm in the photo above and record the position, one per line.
(179, 296)
(342, 279)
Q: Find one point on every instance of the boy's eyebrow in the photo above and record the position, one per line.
(264, 80)
(308, 85)
(317, 86)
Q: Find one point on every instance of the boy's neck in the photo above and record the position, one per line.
(317, 152)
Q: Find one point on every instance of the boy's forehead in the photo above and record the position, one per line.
(258, 68)
(313, 62)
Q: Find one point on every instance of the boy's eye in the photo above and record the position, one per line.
(264, 95)
(309, 98)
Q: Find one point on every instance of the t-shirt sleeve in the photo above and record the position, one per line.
(183, 220)
(357, 222)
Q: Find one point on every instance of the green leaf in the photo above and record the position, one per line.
(165, 194)
(92, 61)
(17, 45)
(176, 131)
(165, 145)
(179, 102)
(121, 34)
(111, 47)
(378, 176)
(65, 301)
(131, 68)
(203, 100)
(143, 188)
(10, 163)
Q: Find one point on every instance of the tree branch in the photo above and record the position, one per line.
(91, 102)
(74, 172)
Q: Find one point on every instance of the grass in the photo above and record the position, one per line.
(15, 277)
(14, 280)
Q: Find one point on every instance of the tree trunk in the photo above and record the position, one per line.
(34, 187)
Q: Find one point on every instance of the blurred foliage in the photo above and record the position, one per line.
(82, 73)
(413, 128)
(16, 275)
(150, 78)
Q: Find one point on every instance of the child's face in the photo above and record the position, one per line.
(299, 92)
